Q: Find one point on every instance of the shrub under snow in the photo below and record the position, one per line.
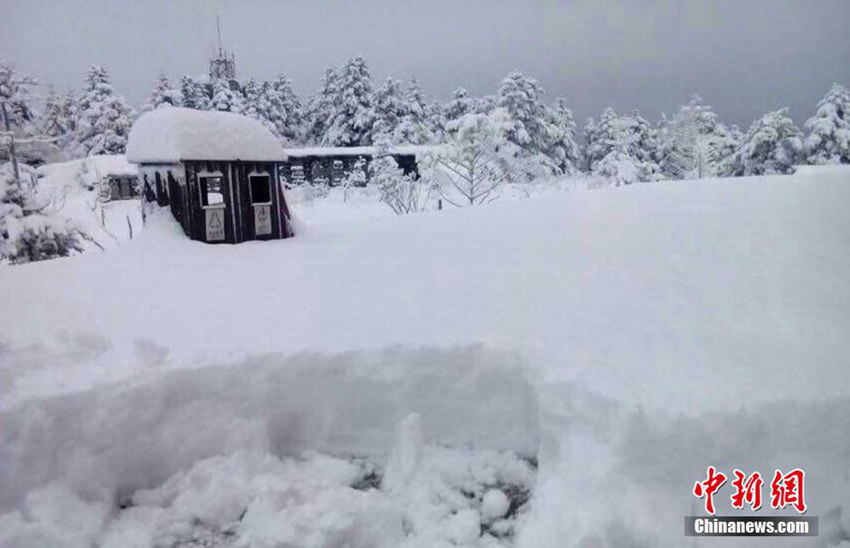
(26, 234)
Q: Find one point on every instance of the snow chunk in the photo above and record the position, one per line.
(172, 134)
(406, 454)
(494, 505)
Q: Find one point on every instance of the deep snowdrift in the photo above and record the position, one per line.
(631, 337)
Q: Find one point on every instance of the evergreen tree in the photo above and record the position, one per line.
(721, 151)
(772, 145)
(163, 95)
(320, 107)
(104, 117)
(225, 98)
(601, 137)
(484, 105)
(589, 136)
(828, 141)
(352, 113)
(194, 94)
(520, 98)
(55, 121)
(621, 148)
(70, 109)
(288, 111)
(389, 108)
(690, 141)
(561, 146)
(460, 105)
(15, 95)
(258, 104)
(436, 121)
(641, 139)
(413, 127)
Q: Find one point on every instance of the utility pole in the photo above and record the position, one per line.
(11, 143)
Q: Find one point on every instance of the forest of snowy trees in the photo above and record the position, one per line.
(513, 135)
(348, 109)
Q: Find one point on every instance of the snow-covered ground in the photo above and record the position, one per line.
(394, 381)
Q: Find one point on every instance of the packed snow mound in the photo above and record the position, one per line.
(168, 135)
(116, 437)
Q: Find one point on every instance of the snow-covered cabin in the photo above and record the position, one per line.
(217, 171)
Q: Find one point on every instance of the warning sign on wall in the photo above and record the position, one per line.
(215, 224)
(262, 220)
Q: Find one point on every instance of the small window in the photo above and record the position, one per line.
(261, 189)
(212, 193)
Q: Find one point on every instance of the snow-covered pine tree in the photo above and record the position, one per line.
(351, 106)
(772, 145)
(225, 98)
(389, 108)
(621, 148)
(257, 104)
(484, 105)
(721, 150)
(619, 165)
(601, 137)
(828, 141)
(54, 120)
(194, 94)
(288, 113)
(320, 107)
(413, 127)
(459, 105)
(103, 117)
(689, 142)
(163, 95)
(642, 143)
(561, 130)
(520, 97)
(70, 109)
(589, 138)
(436, 120)
(15, 96)
(26, 234)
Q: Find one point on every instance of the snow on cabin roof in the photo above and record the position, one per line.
(168, 135)
(354, 151)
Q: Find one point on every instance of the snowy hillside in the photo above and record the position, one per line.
(555, 371)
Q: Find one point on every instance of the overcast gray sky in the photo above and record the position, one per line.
(744, 57)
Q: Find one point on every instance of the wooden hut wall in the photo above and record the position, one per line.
(161, 188)
(179, 198)
(198, 213)
(246, 224)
